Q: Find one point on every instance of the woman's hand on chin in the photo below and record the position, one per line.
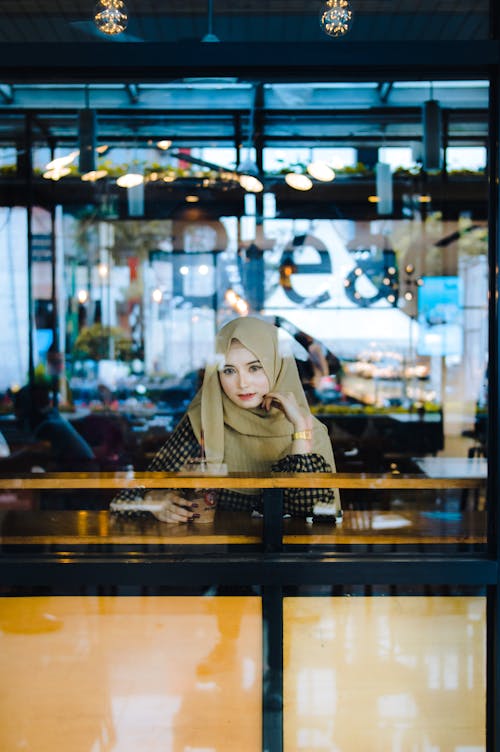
(300, 419)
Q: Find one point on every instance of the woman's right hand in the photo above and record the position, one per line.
(174, 507)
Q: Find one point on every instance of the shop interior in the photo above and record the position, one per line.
(203, 162)
(331, 209)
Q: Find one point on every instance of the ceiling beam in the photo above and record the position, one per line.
(279, 61)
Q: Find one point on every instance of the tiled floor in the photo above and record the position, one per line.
(385, 674)
(130, 674)
(183, 674)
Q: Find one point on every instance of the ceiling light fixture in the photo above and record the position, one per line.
(164, 144)
(432, 127)
(248, 176)
(59, 162)
(130, 179)
(248, 171)
(93, 175)
(210, 36)
(336, 18)
(250, 183)
(384, 187)
(87, 138)
(321, 171)
(57, 173)
(298, 181)
(111, 16)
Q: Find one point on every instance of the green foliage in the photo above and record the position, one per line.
(93, 343)
(42, 378)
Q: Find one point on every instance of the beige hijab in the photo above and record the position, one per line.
(251, 440)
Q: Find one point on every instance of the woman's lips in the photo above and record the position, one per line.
(246, 396)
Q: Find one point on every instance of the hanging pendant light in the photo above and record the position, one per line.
(298, 181)
(336, 18)
(321, 171)
(111, 16)
(383, 179)
(130, 180)
(248, 176)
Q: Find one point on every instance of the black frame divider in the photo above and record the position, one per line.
(273, 568)
(493, 489)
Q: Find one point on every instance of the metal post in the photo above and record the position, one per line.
(493, 600)
(28, 180)
(272, 531)
(272, 675)
(272, 620)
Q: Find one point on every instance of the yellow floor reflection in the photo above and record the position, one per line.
(92, 674)
(385, 674)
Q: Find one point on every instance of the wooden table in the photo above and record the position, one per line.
(74, 526)
(453, 467)
(82, 527)
(119, 480)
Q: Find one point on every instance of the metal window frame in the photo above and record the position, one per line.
(274, 568)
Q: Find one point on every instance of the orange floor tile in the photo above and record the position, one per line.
(151, 674)
(183, 674)
(385, 674)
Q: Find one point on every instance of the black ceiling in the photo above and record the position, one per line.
(307, 88)
(59, 21)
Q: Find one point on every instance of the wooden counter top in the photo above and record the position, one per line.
(84, 527)
(119, 480)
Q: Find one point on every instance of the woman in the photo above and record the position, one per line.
(254, 417)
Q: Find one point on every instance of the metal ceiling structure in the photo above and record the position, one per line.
(288, 21)
(217, 113)
(274, 79)
(158, 75)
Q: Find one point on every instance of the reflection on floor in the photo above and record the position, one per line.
(128, 674)
(183, 674)
(394, 674)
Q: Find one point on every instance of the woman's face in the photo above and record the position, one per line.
(242, 377)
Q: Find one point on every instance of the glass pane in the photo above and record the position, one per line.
(128, 673)
(400, 672)
(376, 277)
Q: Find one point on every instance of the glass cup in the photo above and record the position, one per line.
(205, 498)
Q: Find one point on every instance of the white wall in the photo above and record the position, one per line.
(13, 297)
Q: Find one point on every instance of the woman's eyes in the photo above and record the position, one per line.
(229, 370)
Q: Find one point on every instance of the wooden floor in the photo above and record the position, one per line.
(183, 674)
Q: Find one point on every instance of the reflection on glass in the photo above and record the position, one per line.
(384, 673)
(151, 673)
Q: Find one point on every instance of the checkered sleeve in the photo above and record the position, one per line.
(300, 502)
(180, 446)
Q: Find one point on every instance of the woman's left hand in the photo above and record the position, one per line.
(300, 419)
